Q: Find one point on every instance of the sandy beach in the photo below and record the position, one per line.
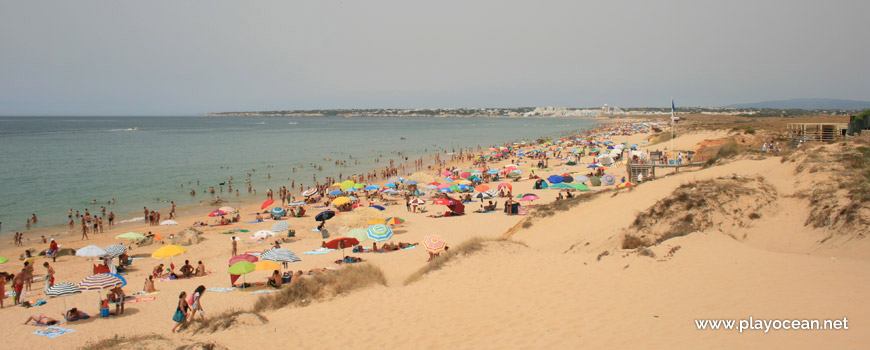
(558, 276)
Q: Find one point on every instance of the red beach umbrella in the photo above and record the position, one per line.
(342, 242)
(266, 204)
(244, 257)
(217, 213)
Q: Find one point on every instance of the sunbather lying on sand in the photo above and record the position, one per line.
(42, 320)
(75, 314)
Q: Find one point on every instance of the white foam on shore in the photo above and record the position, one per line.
(141, 218)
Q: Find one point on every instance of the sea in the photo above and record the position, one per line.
(49, 165)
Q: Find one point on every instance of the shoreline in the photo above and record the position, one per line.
(62, 231)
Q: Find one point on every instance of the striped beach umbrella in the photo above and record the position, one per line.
(379, 233)
(309, 192)
(416, 201)
(100, 281)
(434, 244)
(277, 211)
(62, 289)
(395, 221)
(483, 195)
(296, 203)
(115, 250)
(608, 179)
(281, 255)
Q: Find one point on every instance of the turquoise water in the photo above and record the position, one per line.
(51, 164)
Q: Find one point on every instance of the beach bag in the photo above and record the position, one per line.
(179, 316)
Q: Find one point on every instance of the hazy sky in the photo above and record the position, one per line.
(190, 57)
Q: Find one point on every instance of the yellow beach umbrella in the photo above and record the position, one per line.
(336, 185)
(377, 222)
(168, 251)
(347, 184)
(267, 265)
(341, 201)
(465, 182)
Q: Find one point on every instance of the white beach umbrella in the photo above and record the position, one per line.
(281, 226)
(262, 234)
(168, 223)
(91, 251)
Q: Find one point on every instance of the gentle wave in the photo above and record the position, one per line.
(141, 218)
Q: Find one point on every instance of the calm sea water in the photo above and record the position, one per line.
(51, 164)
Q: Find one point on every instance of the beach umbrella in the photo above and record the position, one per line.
(169, 223)
(431, 187)
(445, 173)
(411, 182)
(277, 211)
(335, 193)
(280, 255)
(465, 175)
(91, 251)
(492, 171)
(376, 222)
(579, 186)
(445, 190)
(434, 244)
(529, 197)
(267, 266)
(442, 201)
(349, 190)
(346, 184)
(281, 226)
(324, 215)
(463, 188)
(296, 203)
(593, 166)
(481, 188)
(372, 187)
(243, 257)
(227, 209)
(379, 233)
(567, 179)
(623, 185)
(62, 289)
(595, 181)
(560, 186)
(3, 260)
(505, 184)
(262, 234)
(395, 221)
(582, 178)
(342, 242)
(378, 207)
(358, 233)
(608, 179)
(492, 193)
(358, 186)
(340, 201)
(169, 251)
(390, 191)
(115, 250)
(267, 203)
(391, 185)
(482, 195)
(130, 235)
(554, 179)
(217, 212)
(241, 268)
(416, 201)
(100, 281)
(309, 192)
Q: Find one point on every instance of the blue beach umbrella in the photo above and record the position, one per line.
(336, 193)
(379, 233)
(390, 185)
(372, 187)
(277, 211)
(554, 179)
(411, 182)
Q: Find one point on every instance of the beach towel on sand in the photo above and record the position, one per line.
(139, 300)
(53, 331)
(318, 251)
(219, 289)
(265, 291)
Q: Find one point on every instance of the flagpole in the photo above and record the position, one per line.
(673, 124)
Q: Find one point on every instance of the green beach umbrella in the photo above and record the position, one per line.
(560, 185)
(359, 186)
(579, 186)
(130, 235)
(358, 233)
(3, 260)
(242, 267)
(347, 184)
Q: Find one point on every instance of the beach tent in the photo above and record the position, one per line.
(595, 180)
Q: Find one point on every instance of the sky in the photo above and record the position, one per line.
(83, 57)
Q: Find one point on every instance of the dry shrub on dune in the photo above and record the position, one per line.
(323, 286)
(717, 203)
(125, 341)
(225, 320)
